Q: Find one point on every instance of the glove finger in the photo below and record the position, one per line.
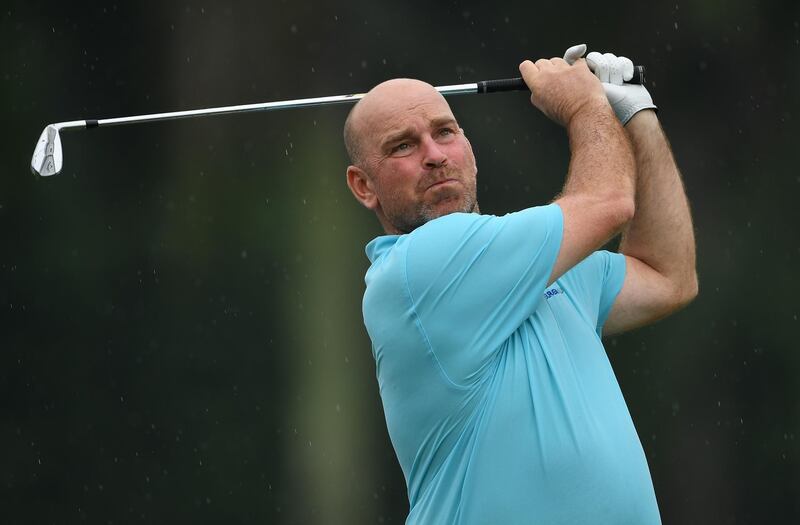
(598, 64)
(614, 69)
(574, 53)
(627, 68)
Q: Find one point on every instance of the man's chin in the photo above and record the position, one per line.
(454, 204)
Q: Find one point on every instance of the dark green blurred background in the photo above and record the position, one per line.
(181, 332)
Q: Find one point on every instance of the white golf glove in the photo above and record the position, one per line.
(613, 71)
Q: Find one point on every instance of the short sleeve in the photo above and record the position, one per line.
(473, 279)
(594, 284)
(613, 278)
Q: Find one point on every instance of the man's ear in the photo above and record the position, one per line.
(461, 130)
(469, 145)
(361, 185)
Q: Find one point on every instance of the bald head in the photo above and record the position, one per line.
(386, 101)
(411, 162)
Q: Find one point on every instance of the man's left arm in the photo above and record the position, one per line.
(658, 243)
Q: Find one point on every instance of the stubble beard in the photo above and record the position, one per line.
(426, 212)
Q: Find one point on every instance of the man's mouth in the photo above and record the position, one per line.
(442, 183)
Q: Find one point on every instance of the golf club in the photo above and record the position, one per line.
(48, 157)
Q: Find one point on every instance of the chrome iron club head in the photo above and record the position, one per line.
(48, 157)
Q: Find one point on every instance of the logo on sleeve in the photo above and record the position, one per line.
(552, 292)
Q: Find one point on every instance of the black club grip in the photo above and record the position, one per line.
(517, 84)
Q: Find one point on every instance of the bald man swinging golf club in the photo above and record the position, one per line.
(499, 398)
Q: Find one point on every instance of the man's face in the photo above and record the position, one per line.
(419, 162)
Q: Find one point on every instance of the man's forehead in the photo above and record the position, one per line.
(389, 106)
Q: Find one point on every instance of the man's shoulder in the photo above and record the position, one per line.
(598, 263)
(599, 275)
(457, 228)
(590, 268)
(457, 239)
(447, 225)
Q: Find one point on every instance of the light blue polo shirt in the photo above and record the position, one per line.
(499, 397)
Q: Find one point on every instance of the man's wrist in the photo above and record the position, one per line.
(593, 109)
(642, 121)
(644, 117)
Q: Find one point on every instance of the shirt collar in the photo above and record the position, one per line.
(379, 246)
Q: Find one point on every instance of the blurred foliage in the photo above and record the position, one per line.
(181, 331)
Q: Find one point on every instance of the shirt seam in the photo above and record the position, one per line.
(421, 328)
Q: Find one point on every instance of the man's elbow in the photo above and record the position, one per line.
(686, 291)
(612, 209)
(693, 289)
(622, 209)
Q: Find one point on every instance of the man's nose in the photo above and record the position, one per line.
(434, 156)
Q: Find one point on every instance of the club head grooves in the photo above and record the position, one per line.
(48, 157)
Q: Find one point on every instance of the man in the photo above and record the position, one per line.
(499, 398)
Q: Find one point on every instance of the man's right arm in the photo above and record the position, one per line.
(598, 196)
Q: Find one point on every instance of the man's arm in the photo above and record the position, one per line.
(598, 197)
(659, 241)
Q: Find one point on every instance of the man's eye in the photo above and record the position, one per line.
(400, 147)
(446, 131)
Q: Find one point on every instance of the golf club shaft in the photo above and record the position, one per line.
(244, 108)
(485, 86)
(48, 157)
